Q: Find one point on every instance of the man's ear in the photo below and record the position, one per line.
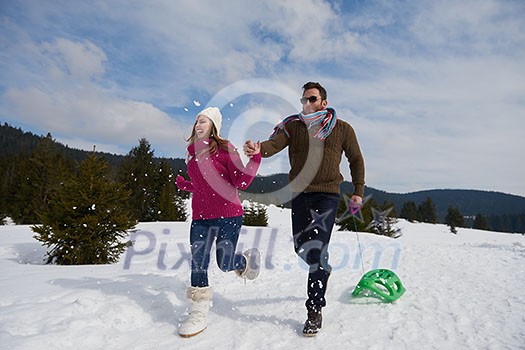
(324, 103)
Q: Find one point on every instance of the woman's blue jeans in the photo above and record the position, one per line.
(225, 232)
(313, 217)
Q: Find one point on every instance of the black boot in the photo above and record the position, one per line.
(314, 322)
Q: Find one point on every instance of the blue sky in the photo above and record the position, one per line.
(434, 89)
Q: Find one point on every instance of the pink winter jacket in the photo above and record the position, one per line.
(214, 180)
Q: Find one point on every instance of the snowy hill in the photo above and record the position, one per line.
(464, 291)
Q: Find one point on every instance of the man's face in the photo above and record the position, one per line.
(312, 107)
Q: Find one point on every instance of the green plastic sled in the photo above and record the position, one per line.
(382, 282)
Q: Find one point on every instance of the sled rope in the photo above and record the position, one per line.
(359, 245)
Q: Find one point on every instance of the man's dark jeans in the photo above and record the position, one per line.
(313, 217)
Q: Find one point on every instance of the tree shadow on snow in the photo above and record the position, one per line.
(152, 293)
(231, 308)
(29, 253)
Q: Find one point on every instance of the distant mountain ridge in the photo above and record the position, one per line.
(469, 202)
(16, 141)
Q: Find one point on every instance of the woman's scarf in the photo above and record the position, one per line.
(327, 117)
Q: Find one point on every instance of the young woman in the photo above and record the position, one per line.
(216, 173)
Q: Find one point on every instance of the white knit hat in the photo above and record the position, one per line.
(215, 115)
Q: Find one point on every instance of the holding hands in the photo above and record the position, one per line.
(251, 148)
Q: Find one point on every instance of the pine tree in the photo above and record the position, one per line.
(36, 180)
(427, 211)
(171, 205)
(262, 214)
(248, 212)
(138, 172)
(506, 223)
(86, 222)
(361, 220)
(391, 207)
(480, 223)
(383, 221)
(3, 189)
(454, 219)
(255, 214)
(410, 212)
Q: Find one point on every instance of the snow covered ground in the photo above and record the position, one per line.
(464, 291)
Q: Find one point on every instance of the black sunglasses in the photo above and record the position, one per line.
(311, 99)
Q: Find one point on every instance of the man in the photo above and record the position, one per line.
(316, 140)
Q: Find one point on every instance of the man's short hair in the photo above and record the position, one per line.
(312, 85)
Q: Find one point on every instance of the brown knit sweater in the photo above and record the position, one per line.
(315, 163)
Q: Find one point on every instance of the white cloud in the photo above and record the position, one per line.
(208, 47)
(79, 60)
(471, 27)
(71, 103)
(90, 115)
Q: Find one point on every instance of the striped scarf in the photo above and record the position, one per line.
(326, 117)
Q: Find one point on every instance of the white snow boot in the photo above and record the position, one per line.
(253, 264)
(197, 320)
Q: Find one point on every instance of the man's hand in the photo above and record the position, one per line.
(356, 201)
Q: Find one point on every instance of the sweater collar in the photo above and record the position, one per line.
(199, 146)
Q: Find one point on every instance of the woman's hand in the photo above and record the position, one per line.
(250, 148)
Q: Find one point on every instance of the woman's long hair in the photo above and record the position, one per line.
(216, 141)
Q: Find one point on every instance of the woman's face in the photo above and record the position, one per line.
(203, 127)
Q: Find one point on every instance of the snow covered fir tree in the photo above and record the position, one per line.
(85, 222)
(154, 195)
(255, 214)
(31, 181)
(410, 212)
(370, 217)
(454, 219)
(383, 223)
